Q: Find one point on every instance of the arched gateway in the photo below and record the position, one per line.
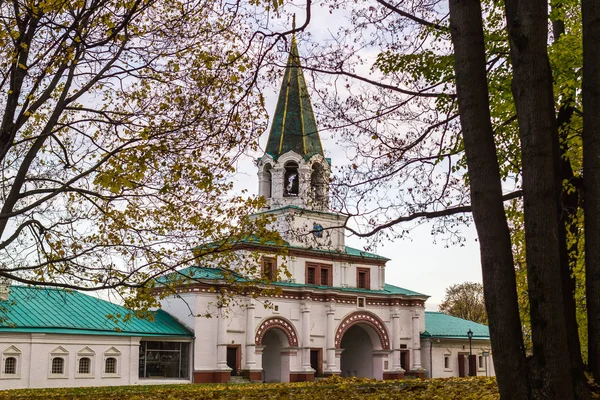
(279, 341)
(364, 340)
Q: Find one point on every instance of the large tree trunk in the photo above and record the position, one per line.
(486, 199)
(591, 175)
(532, 90)
(569, 205)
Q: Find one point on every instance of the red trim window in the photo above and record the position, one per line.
(319, 274)
(363, 278)
(269, 268)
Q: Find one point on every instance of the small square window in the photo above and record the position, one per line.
(360, 302)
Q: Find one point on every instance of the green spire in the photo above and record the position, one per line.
(294, 126)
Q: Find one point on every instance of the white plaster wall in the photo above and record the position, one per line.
(182, 307)
(35, 360)
(452, 348)
(289, 309)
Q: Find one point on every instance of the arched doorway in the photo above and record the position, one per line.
(364, 342)
(276, 336)
(274, 342)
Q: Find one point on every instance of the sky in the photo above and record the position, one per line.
(423, 263)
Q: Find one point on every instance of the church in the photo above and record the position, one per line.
(332, 313)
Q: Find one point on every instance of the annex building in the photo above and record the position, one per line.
(333, 315)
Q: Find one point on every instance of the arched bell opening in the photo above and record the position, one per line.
(291, 179)
(266, 182)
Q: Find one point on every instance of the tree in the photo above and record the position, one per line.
(120, 125)
(465, 300)
(519, 101)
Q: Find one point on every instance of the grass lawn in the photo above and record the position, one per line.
(332, 388)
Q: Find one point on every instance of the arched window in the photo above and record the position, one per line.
(10, 365)
(85, 365)
(110, 365)
(266, 182)
(58, 366)
(291, 179)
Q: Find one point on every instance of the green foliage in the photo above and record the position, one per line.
(123, 121)
(465, 300)
(331, 388)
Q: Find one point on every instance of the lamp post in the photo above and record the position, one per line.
(471, 365)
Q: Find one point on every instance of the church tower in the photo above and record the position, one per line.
(293, 170)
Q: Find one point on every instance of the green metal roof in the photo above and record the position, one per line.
(50, 310)
(442, 325)
(294, 125)
(207, 273)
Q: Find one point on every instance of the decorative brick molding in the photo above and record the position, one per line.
(363, 317)
(391, 375)
(302, 376)
(277, 323)
(212, 376)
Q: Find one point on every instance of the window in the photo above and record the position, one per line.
(360, 302)
(363, 278)
(325, 277)
(58, 366)
(164, 360)
(58, 363)
(10, 363)
(10, 366)
(85, 365)
(480, 362)
(319, 274)
(446, 362)
(110, 365)
(269, 268)
(111, 361)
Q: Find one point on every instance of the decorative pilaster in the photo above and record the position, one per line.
(416, 342)
(250, 345)
(330, 357)
(304, 189)
(305, 310)
(381, 276)
(277, 176)
(396, 365)
(221, 340)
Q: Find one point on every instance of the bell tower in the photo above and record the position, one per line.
(293, 171)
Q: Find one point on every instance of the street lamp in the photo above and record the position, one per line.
(470, 336)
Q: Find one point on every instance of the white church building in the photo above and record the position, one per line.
(332, 315)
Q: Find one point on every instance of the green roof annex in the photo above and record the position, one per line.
(440, 325)
(50, 310)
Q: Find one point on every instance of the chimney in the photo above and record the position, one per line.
(4, 288)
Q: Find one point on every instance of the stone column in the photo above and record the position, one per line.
(221, 340)
(304, 190)
(250, 345)
(305, 309)
(277, 182)
(396, 366)
(416, 339)
(330, 335)
(381, 277)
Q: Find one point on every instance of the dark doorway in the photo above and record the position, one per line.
(461, 365)
(233, 359)
(316, 361)
(404, 359)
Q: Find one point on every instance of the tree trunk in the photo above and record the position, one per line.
(486, 198)
(532, 90)
(569, 205)
(591, 175)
